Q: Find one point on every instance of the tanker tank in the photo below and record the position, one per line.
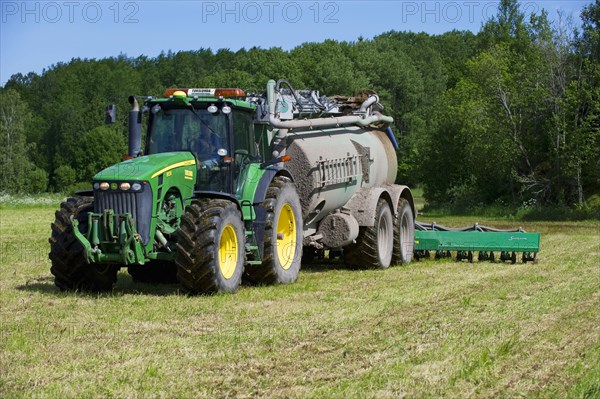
(330, 165)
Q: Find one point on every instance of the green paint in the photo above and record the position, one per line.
(210, 100)
(476, 241)
(249, 179)
(143, 168)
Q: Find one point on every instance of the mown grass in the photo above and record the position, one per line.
(526, 214)
(8, 201)
(429, 329)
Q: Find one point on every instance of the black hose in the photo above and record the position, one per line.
(278, 84)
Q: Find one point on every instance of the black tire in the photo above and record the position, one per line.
(154, 272)
(210, 247)
(374, 245)
(309, 254)
(69, 267)
(283, 236)
(404, 233)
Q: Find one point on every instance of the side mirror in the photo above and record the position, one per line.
(110, 114)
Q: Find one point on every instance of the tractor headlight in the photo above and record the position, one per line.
(124, 186)
(136, 187)
(104, 186)
(96, 186)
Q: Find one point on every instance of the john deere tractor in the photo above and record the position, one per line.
(231, 187)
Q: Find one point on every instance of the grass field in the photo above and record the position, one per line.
(430, 329)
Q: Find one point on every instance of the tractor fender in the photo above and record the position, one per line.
(219, 195)
(265, 181)
(84, 193)
(363, 203)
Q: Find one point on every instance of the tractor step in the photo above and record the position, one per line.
(254, 262)
(466, 241)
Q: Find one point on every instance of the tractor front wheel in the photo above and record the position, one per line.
(210, 247)
(69, 267)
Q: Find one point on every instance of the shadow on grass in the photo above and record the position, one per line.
(124, 286)
(323, 265)
(43, 285)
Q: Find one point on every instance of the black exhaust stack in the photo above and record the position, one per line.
(135, 128)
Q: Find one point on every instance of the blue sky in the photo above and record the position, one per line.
(36, 34)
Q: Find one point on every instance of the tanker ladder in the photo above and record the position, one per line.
(487, 241)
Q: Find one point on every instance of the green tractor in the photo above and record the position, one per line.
(232, 187)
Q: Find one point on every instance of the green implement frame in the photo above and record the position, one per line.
(465, 241)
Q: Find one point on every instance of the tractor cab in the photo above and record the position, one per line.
(213, 125)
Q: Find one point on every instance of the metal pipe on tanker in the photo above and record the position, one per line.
(323, 122)
(271, 96)
(329, 122)
(279, 143)
(370, 101)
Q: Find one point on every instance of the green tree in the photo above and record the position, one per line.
(327, 67)
(17, 172)
(64, 177)
(98, 149)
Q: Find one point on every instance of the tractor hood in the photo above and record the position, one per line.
(147, 167)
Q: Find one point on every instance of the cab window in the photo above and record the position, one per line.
(243, 132)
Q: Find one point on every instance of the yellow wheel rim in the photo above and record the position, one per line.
(286, 237)
(228, 252)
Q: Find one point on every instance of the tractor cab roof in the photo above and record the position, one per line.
(234, 96)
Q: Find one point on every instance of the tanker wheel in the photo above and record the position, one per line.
(283, 236)
(375, 244)
(404, 233)
(210, 247)
(69, 267)
(154, 272)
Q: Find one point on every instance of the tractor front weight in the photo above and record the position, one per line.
(111, 238)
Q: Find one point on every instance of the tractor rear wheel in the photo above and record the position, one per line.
(404, 233)
(283, 236)
(210, 247)
(69, 267)
(154, 272)
(374, 245)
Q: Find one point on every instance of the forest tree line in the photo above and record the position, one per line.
(507, 116)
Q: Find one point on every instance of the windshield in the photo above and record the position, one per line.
(183, 130)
